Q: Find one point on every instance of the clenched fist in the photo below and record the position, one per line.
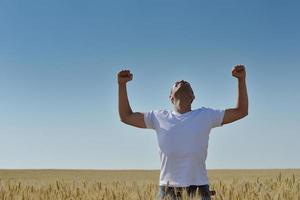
(124, 76)
(239, 71)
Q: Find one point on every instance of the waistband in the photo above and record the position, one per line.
(182, 188)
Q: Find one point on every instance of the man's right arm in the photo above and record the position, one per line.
(127, 116)
(233, 114)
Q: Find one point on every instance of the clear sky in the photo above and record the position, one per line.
(58, 89)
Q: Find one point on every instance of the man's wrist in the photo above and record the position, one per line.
(122, 83)
(242, 79)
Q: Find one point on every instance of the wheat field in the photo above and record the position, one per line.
(142, 184)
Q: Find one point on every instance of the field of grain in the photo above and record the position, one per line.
(142, 184)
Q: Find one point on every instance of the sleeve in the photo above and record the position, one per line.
(150, 119)
(216, 117)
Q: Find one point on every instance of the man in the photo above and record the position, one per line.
(183, 133)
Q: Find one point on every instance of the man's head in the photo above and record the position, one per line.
(182, 94)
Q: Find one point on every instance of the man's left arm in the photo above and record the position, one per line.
(241, 110)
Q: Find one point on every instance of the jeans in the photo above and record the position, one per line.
(170, 193)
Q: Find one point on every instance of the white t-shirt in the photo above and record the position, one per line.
(183, 142)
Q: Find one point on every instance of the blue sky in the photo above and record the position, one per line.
(58, 87)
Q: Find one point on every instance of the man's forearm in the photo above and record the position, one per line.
(242, 104)
(124, 106)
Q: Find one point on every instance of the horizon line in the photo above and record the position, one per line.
(132, 169)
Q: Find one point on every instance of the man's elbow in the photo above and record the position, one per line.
(126, 117)
(123, 119)
(244, 113)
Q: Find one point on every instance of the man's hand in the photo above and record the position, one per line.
(239, 71)
(124, 76)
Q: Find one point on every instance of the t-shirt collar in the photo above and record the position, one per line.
(180, 114)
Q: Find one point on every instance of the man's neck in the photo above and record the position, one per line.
(183, 109)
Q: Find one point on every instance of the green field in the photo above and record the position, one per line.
(142, 184)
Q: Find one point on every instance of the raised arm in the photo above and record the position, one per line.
(241, 110)
(127, 116)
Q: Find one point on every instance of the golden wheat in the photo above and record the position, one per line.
(140, 185)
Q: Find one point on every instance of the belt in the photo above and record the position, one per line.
(203, 189)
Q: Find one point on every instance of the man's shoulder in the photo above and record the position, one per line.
(206, 110)
(203, 109)
(159, 111)
(162, 111)
(166, 112)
